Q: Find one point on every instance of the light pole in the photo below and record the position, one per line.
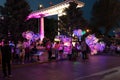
(39, 7)
(41, 23)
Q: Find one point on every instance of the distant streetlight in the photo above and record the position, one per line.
(1, 17)
(87, 30)
(40, 6)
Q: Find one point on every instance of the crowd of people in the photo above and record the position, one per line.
(113, 48)
(59, 51)
(24, 51)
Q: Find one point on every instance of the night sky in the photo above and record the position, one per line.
(35, 3)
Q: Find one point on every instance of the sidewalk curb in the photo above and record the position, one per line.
(27, 64)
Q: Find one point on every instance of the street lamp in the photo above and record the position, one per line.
(87, 30)
(40, 6)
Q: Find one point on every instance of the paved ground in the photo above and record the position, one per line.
(96, 68)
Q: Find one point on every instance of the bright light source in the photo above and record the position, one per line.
(87, 30)
(53, 10)
(40, 5)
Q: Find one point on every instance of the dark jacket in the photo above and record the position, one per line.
(6, 52)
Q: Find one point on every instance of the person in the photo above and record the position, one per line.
(22, 55)
(33, 51)
(49, 50)
(85, 50)
(78, 48)
(74, 53)
(0, 58)
(12, 45)
(6, 59)
(18, 51)
(56, 47)
(27, 50)
(61, 49)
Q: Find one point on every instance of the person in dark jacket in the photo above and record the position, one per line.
(32, 52)
(49, 49)
(6, 59)
(85, 50)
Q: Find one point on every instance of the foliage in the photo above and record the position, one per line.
(72, 20)
(15, 13)
(106, 15)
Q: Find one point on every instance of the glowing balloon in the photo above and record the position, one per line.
(78, 32)
(31, 36)
(94, 45)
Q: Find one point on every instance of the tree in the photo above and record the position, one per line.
(15, 12)
(2, 19)
(72, 20)
(106, 15)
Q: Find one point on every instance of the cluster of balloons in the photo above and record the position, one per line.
(78, 32)
(31, 36)
(94, 44)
